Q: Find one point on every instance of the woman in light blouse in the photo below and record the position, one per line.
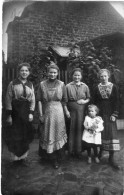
(78, 97)
(20, 105)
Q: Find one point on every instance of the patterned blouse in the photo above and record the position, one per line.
(76, 92)
(106, 98)
(52, 91)
(17, 90)
(105, 90)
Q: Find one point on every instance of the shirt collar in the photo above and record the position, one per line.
(73, 83)
(17, 81)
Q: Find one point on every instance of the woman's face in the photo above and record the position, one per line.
(24, 72)
(104, 77)
(52, 73)
(77, 76)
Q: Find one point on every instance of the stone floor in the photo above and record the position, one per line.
(74, 177)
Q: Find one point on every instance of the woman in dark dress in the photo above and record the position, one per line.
(20, 105)
(106, 98)
(78, 97)
(52, 98)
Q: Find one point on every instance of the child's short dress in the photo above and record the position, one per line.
(89, 136)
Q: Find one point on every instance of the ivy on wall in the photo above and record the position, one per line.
(91, 59)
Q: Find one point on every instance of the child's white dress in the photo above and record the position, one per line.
(89, 136)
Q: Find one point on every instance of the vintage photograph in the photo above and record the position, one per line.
(62, 118)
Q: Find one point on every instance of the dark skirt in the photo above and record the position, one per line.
(110, 141)
(76, 127)
(56, 155)
(20, 134)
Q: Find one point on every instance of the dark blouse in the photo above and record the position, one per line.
(106, 98)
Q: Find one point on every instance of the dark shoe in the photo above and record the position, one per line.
(16, 163)
(78, 156)
(71, 155)
(114, 164)
(26, 162)
(56, 165)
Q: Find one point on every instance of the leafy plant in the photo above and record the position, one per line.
(91, 59)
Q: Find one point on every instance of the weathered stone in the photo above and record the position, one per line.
(73, 177)
(70, 177)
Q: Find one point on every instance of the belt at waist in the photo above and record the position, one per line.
(72, 101)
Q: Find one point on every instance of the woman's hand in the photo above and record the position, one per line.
(30, 117)
(81, 101)
(113, 118)
(9, 120)
(41, 118)
(68, 114)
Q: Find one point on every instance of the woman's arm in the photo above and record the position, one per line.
(8, 103)
(64, 101)
(40, 110)
(115, 103)
(32, 105)
(66, 111)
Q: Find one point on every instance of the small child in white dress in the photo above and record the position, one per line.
(93, 125)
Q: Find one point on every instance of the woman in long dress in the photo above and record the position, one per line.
(52, 98)
(20, 105)
(78, 97)
(106, 98)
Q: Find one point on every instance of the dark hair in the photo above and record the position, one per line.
(93, 106)
(24, 64)
(76, 70)
(52, 65)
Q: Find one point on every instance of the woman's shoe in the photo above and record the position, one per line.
(97, 160)
(26, 162)
(78, 155)
(114, 164)
(56, 165)
(89, 160)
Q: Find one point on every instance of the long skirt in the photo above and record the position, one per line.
(76, 127)
(110, 141)
(20, 134)
(53, 131)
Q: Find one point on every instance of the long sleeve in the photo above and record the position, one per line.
(8, 99)
(39, 94)
(100, 125)
(87, 92)
(32, 105)
(86, 123)
(64, 97)
(115, 102)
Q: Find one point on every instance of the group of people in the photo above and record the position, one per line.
(92, 120)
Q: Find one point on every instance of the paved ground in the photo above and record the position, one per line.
(74, 177)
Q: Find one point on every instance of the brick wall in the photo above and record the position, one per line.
(59, 23)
